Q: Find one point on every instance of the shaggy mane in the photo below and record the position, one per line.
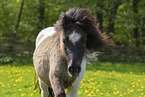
(82, 18)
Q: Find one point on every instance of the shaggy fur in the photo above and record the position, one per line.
(50, 59)
(82, 19)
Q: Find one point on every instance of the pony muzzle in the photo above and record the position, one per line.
(74, 71)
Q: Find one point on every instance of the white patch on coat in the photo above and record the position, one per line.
(74, 37)
(44, 34)
(73, 91)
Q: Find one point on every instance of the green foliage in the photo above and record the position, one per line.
(6, 59)
(28, 29)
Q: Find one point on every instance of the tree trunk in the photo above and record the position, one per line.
(15, 32)
(143, 31)
(111, 13)
(41, 11)
(135, 29)
(99, 14)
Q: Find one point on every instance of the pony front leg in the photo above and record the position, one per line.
(44, 89)
(57, 87)
(73, 91)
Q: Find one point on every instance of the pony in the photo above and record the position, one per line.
(62, 52)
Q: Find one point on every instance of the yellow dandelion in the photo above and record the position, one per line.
(31, 94)
(94, 88)
(90, 86)
(34, 91)
(1, 71)
(114, 92)
(142, 93)
(131, 72)
(89, 95)
(108, 94)
(14, 84)
(137, 85)
(131, 90)
(133, 83)
(101, 93)
(3, 85)
(86, 91)
(10, 76)
(30, 88)
(115, 88)
(97, 90)
(79, 92)
(22, 94)
(117, 92)
(138, 89)
(20, 89)
(128, 89)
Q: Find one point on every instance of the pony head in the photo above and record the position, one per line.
(80, 33)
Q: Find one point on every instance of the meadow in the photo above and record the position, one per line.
(100, 80)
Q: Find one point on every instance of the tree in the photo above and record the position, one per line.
(41, 15)
(112, 7)
(15, 31)
(99, 13)
(135, 19)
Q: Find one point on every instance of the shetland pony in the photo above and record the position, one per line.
(62, 51)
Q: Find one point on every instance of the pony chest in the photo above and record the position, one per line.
(68, 82)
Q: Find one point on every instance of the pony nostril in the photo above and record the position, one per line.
(70, 69)
(78, 70)
(74, 70)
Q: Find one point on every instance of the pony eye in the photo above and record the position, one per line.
(65, 39)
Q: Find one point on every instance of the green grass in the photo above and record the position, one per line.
(100, 80)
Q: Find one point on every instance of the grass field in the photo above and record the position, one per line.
(100, 80)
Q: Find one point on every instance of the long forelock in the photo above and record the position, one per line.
(75, 17)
